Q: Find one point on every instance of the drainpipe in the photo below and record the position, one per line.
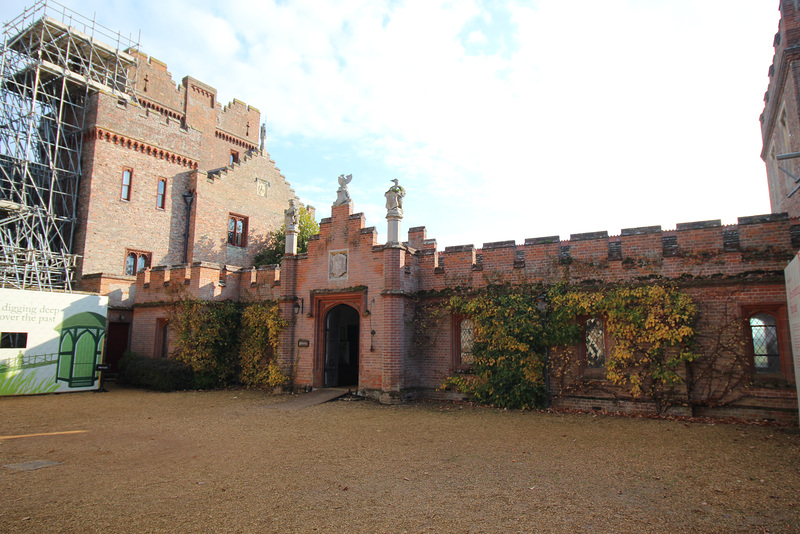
(188, 198)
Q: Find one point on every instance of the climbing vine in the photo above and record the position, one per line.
(225, 342)
(508, 347)
(519, 329)
(206, 339)
(260, 331)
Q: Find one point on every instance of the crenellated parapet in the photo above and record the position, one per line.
(206, 281)
(229, 130)
(703, 250)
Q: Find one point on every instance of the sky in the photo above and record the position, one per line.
(502, 119)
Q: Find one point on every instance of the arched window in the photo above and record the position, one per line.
(764, 335)
(130, 264)
(136, 261)
(141, 263)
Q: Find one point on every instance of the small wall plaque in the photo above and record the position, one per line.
(261, 188)
(303, 343)
(337, 265)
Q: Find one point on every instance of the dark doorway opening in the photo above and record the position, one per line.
(341, 347)
(116, 344)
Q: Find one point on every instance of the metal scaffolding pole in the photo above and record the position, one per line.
(52, 60)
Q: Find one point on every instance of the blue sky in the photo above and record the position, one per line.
(502, 119)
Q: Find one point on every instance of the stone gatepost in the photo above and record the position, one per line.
(289, 287)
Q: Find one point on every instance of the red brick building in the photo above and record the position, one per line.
(351, 301)
(177, 190)
(170, 177)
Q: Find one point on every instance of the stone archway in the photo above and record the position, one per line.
(341, 340)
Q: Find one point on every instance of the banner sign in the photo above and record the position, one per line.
(50, 342)
(792, 276)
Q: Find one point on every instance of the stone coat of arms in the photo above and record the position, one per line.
(337, 265)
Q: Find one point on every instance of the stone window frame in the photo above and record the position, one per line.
(141, 261)
(458, 364)
(161, 195)
(238, 237)
(126, 184)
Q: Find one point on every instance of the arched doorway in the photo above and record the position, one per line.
(341, 347)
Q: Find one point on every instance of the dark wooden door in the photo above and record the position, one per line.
(116, 344)
(331, 378)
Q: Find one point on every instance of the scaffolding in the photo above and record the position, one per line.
(52, 60)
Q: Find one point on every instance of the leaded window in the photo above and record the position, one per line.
(467, 336)
(595, 343)
(764, 333)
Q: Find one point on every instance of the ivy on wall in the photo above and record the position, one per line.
(518, 329)
(226, 343)
(261, 328)
(508, 348)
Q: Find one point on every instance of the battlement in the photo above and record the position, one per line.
(701, 249)
(195, 104)
(207, 281)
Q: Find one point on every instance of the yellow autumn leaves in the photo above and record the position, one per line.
(651, 328)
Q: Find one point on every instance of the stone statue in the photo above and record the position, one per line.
(263, 135)
(342, 194)
(292, 216)
(394, 199)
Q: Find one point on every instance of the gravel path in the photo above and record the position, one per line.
(226, 461)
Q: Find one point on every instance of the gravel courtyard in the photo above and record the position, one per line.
(235, 461)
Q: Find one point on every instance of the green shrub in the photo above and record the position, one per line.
(157, 374)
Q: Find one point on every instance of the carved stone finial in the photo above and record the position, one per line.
(263, 135)
(342, 194)
(394, 213)
(292, 216)
(394, 199)
(292, 221)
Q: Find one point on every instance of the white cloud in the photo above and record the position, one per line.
(590, 116)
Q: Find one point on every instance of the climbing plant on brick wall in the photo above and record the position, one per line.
(206, 339)
(260, 330)
(226, 342)
(651, 327)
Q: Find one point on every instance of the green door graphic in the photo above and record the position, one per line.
(80, 348)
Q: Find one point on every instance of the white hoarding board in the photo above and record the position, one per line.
(792, 276)
(50, 342)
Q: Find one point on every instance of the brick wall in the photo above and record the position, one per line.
(731, 271)
(235, 191)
